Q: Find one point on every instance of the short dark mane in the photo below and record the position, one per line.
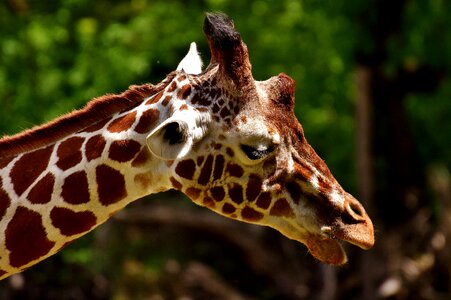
(96, 110)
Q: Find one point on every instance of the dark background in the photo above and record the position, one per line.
(374, 97)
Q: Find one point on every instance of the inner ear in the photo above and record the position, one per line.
(174, 133)
(170, 140)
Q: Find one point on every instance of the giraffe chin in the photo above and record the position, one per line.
(326, 250)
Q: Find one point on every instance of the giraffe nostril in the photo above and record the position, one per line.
(354, 212)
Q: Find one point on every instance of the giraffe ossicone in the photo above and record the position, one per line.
(230, 143)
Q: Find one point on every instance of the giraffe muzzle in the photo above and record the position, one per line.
(355, 225)
(351, 225)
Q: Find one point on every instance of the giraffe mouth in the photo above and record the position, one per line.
(322, 244)
(327, 246)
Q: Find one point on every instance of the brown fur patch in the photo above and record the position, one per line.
(177, 185)
(69, 153)
(172, 87)
(75, 188)
(110, 185)
(224, 112)
(282, 209)
(70, 222)
(205, 172)
(123, 123)
(236, 193)
(184, 92)
(5, 202)
(143, 179)
(230, 152)
(193, 193)
(250, 214)
(123, 150)
(155, 99)
(264, 200)
(186, 168)
(96, 126)
(28, 168)
(25, 237)
(200, 160)
(94, 147)
(98, 109)
(217, 193)
(294, 190)
(4, 161)
(42, 191)
(254, 186)
(147, 121)
(234, 170)
(208, 202)
(228, 208)
(166, 100)
(219, 167)
(181, 78)
(142, 157)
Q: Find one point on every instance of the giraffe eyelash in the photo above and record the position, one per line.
(257, 153)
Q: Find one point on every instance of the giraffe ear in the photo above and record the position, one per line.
(170, 140)
(191, 63)
(175, 137)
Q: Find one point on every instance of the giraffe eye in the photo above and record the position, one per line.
(254, 153)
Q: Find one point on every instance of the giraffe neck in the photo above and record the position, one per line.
(59, 191)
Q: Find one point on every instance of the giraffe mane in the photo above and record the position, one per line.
(96, 110)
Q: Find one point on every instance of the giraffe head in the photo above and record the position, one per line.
(233, 144)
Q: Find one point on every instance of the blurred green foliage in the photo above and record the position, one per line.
(55, 56)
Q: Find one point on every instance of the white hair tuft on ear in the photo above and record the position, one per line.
(191, 63)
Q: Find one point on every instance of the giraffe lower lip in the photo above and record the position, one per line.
(326, 250)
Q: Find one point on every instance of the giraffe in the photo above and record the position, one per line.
(227, 141)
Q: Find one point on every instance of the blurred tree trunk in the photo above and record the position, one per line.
(390, 146)
(365, 166)
(389, 168)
